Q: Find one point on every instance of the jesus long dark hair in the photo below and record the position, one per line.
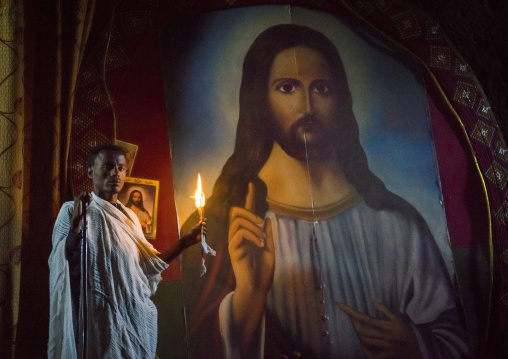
(254, 136)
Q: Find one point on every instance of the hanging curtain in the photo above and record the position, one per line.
(11, 164)
(41, 49)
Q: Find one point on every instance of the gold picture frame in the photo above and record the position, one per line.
(144, 192)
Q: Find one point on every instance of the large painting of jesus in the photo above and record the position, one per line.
(312, 138)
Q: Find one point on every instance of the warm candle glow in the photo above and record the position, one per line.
(199, 200)
(199, 196)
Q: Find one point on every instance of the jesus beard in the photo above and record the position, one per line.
(308, 139)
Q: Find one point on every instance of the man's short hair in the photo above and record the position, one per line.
(94, 152)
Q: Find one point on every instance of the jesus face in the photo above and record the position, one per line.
(303, 103)
(136, 199)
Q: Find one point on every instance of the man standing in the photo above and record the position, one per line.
(135, 203)
(316, 258)
(123, 269)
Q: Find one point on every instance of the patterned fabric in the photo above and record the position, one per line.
(11, 173)
(463, 94)
(50, 42)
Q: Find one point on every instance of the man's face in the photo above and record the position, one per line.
(108, 174)
(136, 199)
(302, 98)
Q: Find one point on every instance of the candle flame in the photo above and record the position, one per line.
(199, 196)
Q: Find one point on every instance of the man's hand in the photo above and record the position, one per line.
(387, 338)
(76, 222)
(73, 241)
(194, 235)
(191, 238)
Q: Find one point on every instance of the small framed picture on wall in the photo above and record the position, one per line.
(141, 196)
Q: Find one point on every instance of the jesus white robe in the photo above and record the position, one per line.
(358, 255)
(123, 272)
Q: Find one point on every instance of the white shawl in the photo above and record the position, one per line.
(123, 272)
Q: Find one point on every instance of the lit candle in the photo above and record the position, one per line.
(199, 198)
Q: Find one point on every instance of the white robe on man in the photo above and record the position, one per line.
(123, 272)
